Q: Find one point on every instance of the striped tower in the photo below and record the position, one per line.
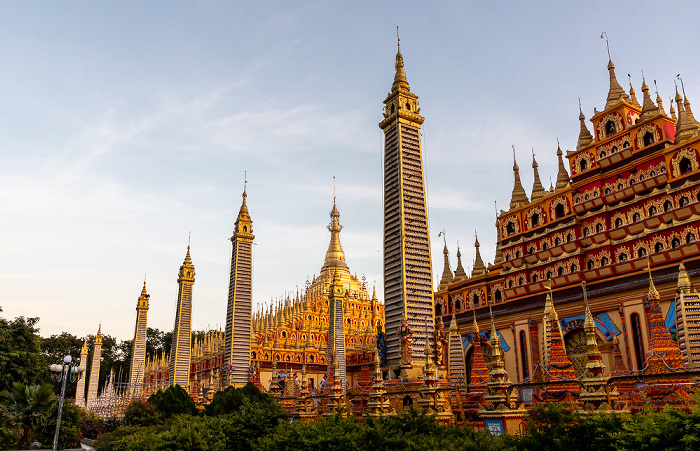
(180, 351)
(95, 370)
(138, 347)
(336, 330)
(688, 320)
(240, 299)
(456, 368)
(407, 266)
(80, 389)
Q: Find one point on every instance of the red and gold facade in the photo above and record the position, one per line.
(632, 199)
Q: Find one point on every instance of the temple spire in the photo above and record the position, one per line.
(479, 267)
(460, 274)
(584, 137)
(649, 110)
(688, 111)
(616, 94)
(519, 196)
(446, 272)
(671, 110)
(660, 343)
(633, 95)
(685, 128)
(537, 188)
(479, 371)
(659, 102)
(499, 253)
(400, 82)
(594, 366)
(683, 279)
(557, 363)
(562, 175)
(335, 257)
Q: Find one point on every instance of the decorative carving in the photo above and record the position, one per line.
(480, 296)
(563, 201)
(530, 213)
(622, 250)
(619, 215)
(405, 335)
(632, 211)
(515, 226)
(588, 194)
(583, 156)
(641, 244)
(643, 130)
(615, 118)
(614, 146)
(688, 153)
(441, 343)
(576, 349)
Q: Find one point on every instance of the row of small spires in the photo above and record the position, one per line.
(290, 313)
(447, 276)
(686, 127)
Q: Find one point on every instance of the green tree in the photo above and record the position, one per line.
(27, 407)
(173, 401)
(158, 342)
(247, 415)
(70, 433)
(20, 357)
(231, 400)
(142, 413)
(669, 429)
(54, 349)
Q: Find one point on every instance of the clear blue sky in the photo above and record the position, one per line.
(126, 125)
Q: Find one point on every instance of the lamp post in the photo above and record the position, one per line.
(65, 370)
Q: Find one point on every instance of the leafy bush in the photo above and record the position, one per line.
(142, 413)
(232, 399)
(92, 425)
(173, 401)
(178, 433)
(413, 430)
(69, 435)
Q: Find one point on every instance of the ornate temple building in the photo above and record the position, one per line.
(287, 335)
(590, 299)
(629, 211)
(296, 331)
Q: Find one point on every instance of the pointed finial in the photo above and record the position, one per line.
(334, 186)
(616, 94)
(398, 40)
(683, 279)
(584, 137)
(493, 324)
(658, 100)
(519, 197)
(604, 35)
(537, 188)
(245, 180)
(633, 95)
(653, 294)
(585, 295)
(672, 110)
(189, 238)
